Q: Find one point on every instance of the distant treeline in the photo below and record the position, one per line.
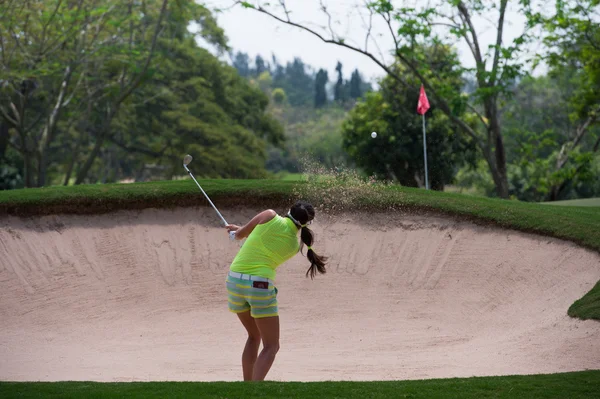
(300, 82)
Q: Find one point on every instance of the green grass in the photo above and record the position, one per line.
(587, 307)
(291, 176)
(297, 177)
(99, 198)
(573, 223)
(584, 384)
(577, 202)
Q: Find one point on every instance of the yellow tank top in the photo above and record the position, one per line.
(267, 247)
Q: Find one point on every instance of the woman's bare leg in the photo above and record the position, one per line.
(252, 345)
(269, 331)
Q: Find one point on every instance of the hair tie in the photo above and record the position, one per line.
(309, 248)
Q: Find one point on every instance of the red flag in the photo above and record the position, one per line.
(423, 104)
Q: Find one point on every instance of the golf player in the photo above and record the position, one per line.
(271, 241)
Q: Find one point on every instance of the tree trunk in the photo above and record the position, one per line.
(495, 154)
(69, 171)
(28, 168)
(3, 139)
(498, 175)
(107, 157)
(436, 184)
(502, 178)
(502, 183)
(42, 169)
(50, 128)
(553, 195)
(83, 172)
(72, 162)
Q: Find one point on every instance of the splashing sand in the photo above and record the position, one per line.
(338, 189)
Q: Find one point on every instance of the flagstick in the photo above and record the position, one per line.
(425, 154)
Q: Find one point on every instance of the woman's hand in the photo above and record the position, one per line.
(232, 227)
(233, 230)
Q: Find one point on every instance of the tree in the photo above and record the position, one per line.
(11, 170)
(140, 91)
(539, 120)
(44, 45)
(59, 50)
(260, 66)
(196, 104)
(241, 62)
(296, 80)
(573, 44)
(277, 69)
(320, 91)
(339, 92)
(535, 120)
(435, 24)
(265, 82)
(313, 134)
(356, 85)
(397, 152)
(279, 96)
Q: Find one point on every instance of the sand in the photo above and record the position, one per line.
(139, 296)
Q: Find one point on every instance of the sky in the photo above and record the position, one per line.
(254, 33)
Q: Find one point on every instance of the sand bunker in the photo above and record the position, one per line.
(140, 296)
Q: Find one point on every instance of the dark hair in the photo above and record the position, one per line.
(304, 212)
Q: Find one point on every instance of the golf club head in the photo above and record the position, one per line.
(187, 159)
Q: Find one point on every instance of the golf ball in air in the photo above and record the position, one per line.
(374, 134)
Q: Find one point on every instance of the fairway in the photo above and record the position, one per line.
(140, 296)
(595, 202)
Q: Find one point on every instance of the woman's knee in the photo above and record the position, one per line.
(272, 347)
(254, 336)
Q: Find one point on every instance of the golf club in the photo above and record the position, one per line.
(186, 161)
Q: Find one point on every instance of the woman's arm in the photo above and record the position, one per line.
(244, 231)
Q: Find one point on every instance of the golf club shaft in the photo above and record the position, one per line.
(213, 205)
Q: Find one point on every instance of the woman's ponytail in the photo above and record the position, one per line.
(301, 214)
(317, 263)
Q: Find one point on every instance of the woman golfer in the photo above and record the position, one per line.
(272, 240)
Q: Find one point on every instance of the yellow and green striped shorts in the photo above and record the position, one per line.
(250, 293)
